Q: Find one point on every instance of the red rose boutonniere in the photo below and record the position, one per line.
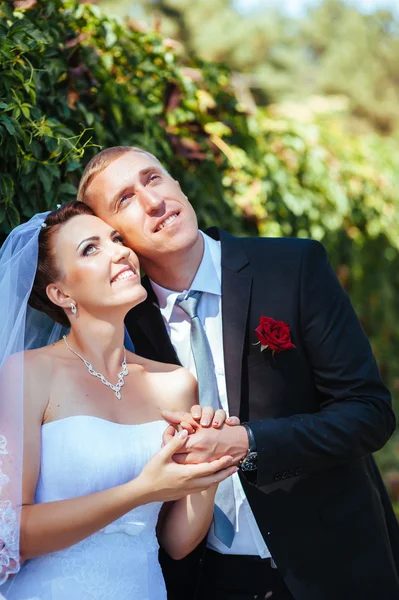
(274, 335)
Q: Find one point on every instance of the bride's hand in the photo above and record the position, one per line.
(205, 416)
(164, 480)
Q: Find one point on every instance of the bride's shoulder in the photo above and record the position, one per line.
(179, 387)
(39, 356)
(176, 375)
(25, 361)
(39, 363)
(39, 378)
(35, 366)
(150, 366)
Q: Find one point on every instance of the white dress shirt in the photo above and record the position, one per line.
(248, 539)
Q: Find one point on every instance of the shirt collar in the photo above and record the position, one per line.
(208, 278)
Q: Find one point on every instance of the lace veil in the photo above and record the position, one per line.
(21, 328)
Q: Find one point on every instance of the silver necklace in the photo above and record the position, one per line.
(121, 376)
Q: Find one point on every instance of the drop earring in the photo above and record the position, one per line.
(73, 308)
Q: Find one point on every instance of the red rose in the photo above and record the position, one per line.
(274, 335)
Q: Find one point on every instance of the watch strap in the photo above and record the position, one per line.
(251, 438)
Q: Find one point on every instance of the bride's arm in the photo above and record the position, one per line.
(187, 522)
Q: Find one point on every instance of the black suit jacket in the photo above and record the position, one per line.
(317, 411)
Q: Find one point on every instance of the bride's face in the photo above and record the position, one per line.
(96, 270)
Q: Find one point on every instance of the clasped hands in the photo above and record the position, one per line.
(211, 435)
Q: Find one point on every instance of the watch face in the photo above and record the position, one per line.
(250, 462)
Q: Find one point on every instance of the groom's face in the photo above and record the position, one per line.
(136, 196)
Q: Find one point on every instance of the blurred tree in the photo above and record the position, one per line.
(357, 55)
(333, 49)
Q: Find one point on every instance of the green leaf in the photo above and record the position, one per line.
(8, 125)
(28, 166)
(68, 188)
(217, 128)
(6, 189)
(107, 60)
(25, 111)
(49, 200)
(110, 35)
(45, 177)
(12, 216)
(72, 166)
(79, 12)
(96, 11)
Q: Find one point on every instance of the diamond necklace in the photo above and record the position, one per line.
(121, 376)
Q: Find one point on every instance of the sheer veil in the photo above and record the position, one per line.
(21, 328)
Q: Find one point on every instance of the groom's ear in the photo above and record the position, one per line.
(57, 296)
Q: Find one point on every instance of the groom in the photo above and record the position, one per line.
(308, 497)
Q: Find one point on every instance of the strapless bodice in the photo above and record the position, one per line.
(81, 455)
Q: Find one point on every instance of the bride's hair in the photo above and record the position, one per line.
(47, 270)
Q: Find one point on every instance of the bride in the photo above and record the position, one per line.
(94, 474)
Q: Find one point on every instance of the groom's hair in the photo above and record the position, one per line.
(100, 161)
(47, 270)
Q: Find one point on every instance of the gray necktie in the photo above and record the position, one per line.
(224, 517)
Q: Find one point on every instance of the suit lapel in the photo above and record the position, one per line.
(153, 327)
(236, 293)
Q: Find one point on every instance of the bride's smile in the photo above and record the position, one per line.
(124, 275)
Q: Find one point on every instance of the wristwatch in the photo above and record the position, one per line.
(250, 460)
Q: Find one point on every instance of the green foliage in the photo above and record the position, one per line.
(37, 149)
(73, 80)
(333, 48)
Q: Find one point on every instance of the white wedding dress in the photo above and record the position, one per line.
(82, 455)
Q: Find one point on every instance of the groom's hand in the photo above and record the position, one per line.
(198, 416)
(208, 444)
